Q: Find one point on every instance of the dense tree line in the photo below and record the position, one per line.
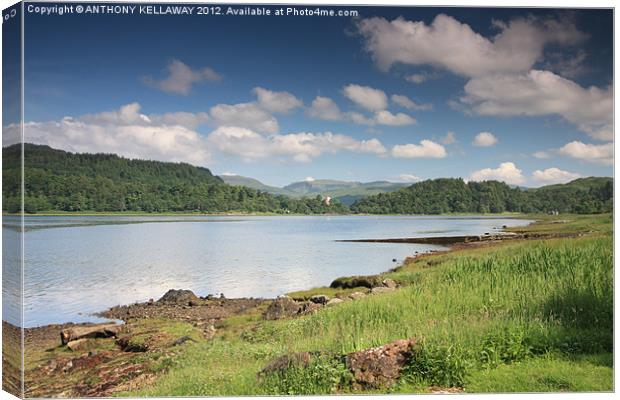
(56, 180)
(586, 195)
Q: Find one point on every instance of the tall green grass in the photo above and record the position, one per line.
(475, 311)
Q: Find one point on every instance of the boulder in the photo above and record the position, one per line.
(132, 345)
(179, 296)
(356, 295)
(334, 302)
(390, 283)
(381, 289)
(319, 299)
(76, 345)
(283, 307)
(309, 308)
(286, 361)
(89, 331)
(380, 367)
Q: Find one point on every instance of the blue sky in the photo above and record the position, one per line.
(400, 94)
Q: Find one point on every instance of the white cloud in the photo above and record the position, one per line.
(417, 78)
(554, 175)
(539, 93)
(385, 117)
(409, 178)
(126, 132)
(485, 139)
(506, 172)
(186, 119)
(276, 102)
(594, 153)
(181, 78)
(246, 115)
(452, 45)
(228, 174)
(409, 104)
(325, 108)
(366, 97)
(309, 179)
(426, 149)
(542, 155)
(449, 138)
(301, 147)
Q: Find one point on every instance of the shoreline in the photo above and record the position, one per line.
(163, 322)
(451, 242)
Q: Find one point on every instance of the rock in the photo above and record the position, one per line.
(334, 302)
(281, 308)
(390, 283)
(356, 295)
(127, 344)
(178, 296)
(286, 361)
(79, 332)
(309, 308)
(76, 345)
(209, 332)
(319, 299)
(182, 340)
(380, 367)
(381, 289)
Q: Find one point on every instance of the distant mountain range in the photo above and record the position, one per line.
(346, 192)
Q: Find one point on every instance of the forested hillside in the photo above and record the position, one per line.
(584, 196)
(56, 180)
(61, 181)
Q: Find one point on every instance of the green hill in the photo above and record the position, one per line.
(448, 195)
(238, 180)
(345, 192)
(57, 180)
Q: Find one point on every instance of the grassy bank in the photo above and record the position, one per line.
(532, 315)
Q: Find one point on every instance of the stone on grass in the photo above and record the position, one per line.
(283, 307)
(319, 299)
(334, 302)
(380, 367)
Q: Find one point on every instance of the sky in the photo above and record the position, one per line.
(397, 93)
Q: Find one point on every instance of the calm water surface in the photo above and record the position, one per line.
(76, 266)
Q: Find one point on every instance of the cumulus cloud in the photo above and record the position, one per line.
(447, 43)
(409, 178)
(450, 138)
(301, 147)
(276, 102)
(246, 115)
(409, 104)
(426, 149)
(364, 96)
(594, 153)
(385, 117)
(126, 132)
(506, 172)
(485, 139)
(542, 155)
(186, 119)
(181, 78)
(539, 93)
(309, 179)
(325, 108)
(554, 175)
(417, 78)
